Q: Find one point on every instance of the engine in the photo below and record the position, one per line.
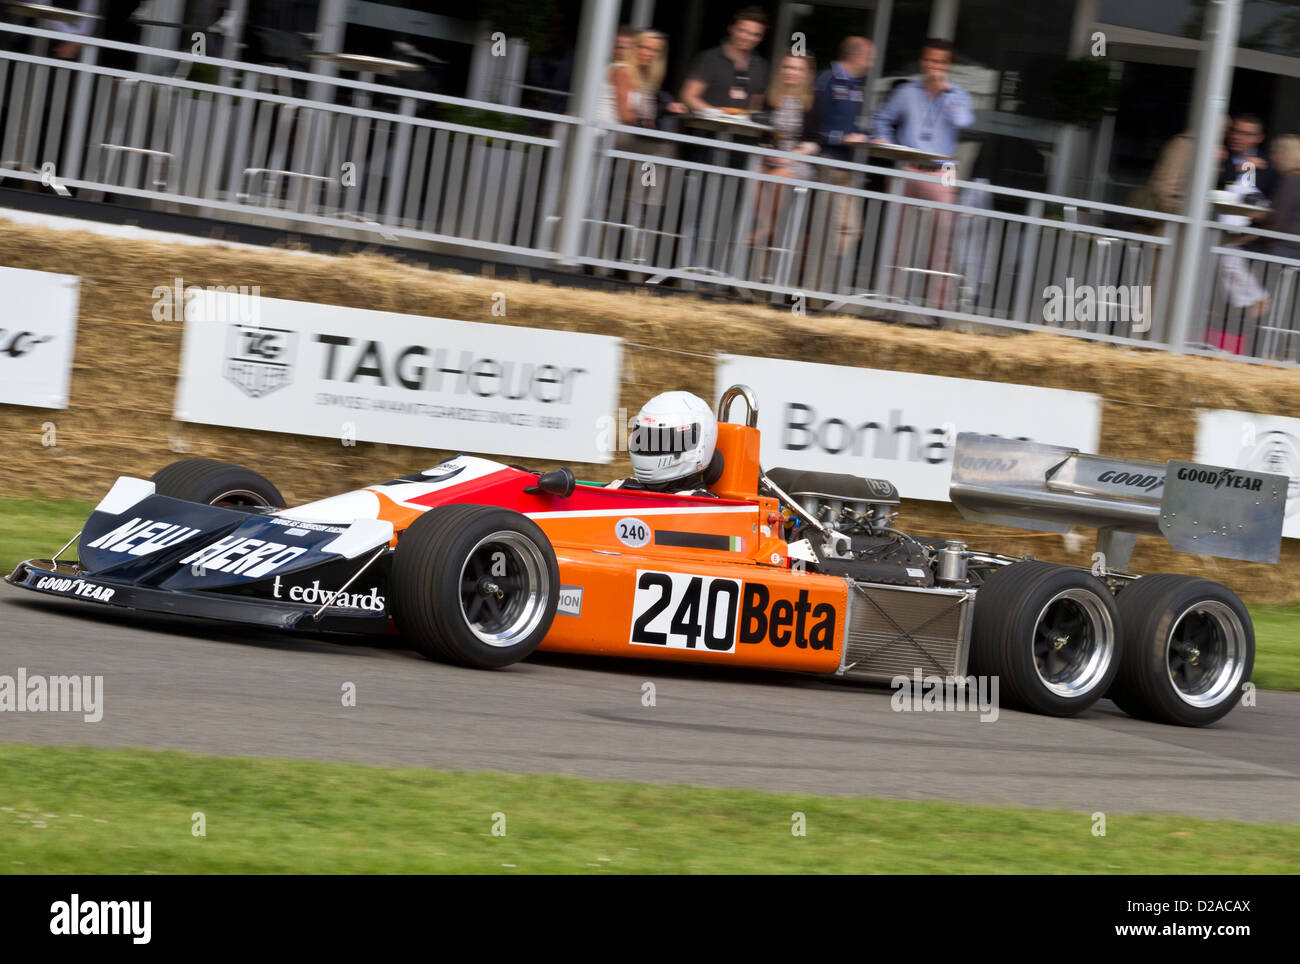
(859, 516)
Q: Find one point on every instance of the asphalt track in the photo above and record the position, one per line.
(210, 688)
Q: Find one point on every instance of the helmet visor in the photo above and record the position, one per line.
(664, 439)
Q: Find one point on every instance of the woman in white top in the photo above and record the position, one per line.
(610, 110)
(637, 101)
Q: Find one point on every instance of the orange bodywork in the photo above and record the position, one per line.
(725, 594)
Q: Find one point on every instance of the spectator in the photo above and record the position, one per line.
(1167, 186)
(790, 103)
(1245, 135)
(640, 96)
(837, 104)
(731, 75)
(929, 114)
(641, 102)
(609, 111)
(624, 42)
(1285, 217)
(838, 99)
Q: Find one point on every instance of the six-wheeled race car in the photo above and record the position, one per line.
(481, 563)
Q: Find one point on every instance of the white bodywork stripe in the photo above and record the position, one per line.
(631, 512)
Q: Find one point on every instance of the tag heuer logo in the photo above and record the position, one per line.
(259, 360)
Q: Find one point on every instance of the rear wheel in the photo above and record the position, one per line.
(217, 483)
(1191, 647)
(1052, 634)
(474, 584)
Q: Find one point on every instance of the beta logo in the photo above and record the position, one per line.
(784, 622)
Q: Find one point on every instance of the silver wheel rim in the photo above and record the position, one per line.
(1205, 653)
(240, 498)
(504, 585)
(1074, 642)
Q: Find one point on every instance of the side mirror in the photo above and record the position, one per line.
(559, 482)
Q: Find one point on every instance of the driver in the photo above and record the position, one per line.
(673, 446)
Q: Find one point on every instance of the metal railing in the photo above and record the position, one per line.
(359, 157)
(992, 258)
(298, 150)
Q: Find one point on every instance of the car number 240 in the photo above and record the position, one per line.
(678, 611)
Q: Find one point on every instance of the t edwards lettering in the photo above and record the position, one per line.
(421, 369)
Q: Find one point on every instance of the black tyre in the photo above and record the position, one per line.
(474, 584)
(1190, 647)
(216, 483)
(1052, 634)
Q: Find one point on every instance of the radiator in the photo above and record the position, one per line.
(895, 630)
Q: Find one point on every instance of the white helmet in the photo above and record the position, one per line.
(673, 437)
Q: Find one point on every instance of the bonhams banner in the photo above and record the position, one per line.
(1260, 443)
(38, 332)
(362, 375)
(896, 425)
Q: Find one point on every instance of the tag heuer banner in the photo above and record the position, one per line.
(898, 426)
(377, 376)
(38, 331)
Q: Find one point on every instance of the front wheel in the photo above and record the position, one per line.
(1191, 647)
(217, 483)
(474, 584)
(1052, 634)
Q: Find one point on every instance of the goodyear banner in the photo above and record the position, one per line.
(898, 426)
(38, 333)
(1259, 443)
(361, 375)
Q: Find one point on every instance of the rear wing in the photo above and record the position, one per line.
(1209, 510)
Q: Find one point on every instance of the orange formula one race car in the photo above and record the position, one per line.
(481, 563)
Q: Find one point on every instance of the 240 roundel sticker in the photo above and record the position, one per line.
(633, 533)
(678, 611)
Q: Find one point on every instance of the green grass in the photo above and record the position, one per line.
(80, 810)
(1277, 647)
(31, 526)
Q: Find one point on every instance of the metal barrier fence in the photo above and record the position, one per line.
(830, 238)
(285, 146)
(357, 159)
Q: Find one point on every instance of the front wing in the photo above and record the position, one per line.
(69, 581)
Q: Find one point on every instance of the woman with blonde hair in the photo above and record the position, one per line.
(640, 87)
(789, 103)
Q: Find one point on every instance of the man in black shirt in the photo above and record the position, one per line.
(731, 74)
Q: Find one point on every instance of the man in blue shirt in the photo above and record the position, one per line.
(928, 115)
(837, 101)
